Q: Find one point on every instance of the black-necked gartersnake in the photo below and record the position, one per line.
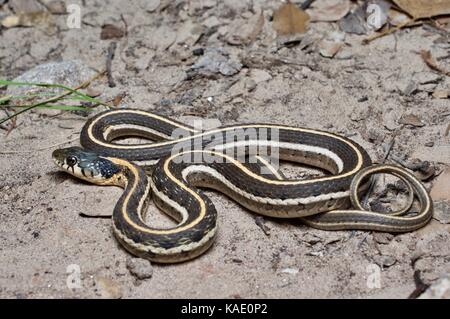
(183, 158)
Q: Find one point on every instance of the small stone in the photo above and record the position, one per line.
(259, 76)
(109, 289)
(439, 290)
(11, 21)
(149, 5)
(211, 22)
(290, 271)
(411, 119)
(57, 7)
(383, 238)
(140, 268)
(384, 260)
(70, 73)
(429, 144)
(442, 212)
(93, 92)
(440, 190)
(440, 94)
(110, 31)
(25, 6)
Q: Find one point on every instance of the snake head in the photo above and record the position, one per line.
(86, 165)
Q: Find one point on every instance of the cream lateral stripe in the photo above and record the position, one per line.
(292, 146)
(144, 114)
(163, 251)
(159, 231)
(113, 128)
(274, 201)
(269, 181)
(268, 126)
(269, 166)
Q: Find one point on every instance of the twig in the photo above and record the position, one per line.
(428, 59)
(109, 58)
(40, 149)
(55, 98)
(389, 31)
(420, 286)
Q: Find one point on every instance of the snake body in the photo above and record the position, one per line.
(183, 159)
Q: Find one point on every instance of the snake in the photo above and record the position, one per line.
(178, 161)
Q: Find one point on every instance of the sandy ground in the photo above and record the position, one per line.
(362, 93)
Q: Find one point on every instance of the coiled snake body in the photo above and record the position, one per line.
(182, 158)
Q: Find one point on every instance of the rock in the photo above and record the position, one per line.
(110, 31)
(441, 189)
(259, 76)
(189, 33)
(140, 268)
(328, 10)
(149, 5)
(383, 238)
(216, 61)
(109, 289)
(290, 271)
(70, 73)
(25, 6)
(411, 119)
(56, 7)
(332, 43)
(442, 212)
(162, 38)
(354, 22)
(384, 261)
(211, 22)
(440, 94)
(439, 290)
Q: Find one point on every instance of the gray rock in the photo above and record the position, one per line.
(140, 268)
(439, 290)
(25, 6)
(442, 212)
(70, 73)
(216, 61)
(385, 261)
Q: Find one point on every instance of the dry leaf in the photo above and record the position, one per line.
(110, 31)
(289, 19)
(424, 8)
(330, 10)
(411, 119)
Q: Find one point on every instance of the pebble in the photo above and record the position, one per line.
(70, 73)
(109, 289)
(442, 212)
(140, 268)
(383, 238)
(384, 260)
(216, 61)
(439, 290)
(259, 76)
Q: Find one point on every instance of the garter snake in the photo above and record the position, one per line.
(182, 158)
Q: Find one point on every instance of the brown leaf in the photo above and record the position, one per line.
(110, 31)
(289, 19)
(428, 59)
(411, 119)
(424, 8)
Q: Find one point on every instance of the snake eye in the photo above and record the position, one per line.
(71, 160)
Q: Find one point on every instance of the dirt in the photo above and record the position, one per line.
(47, 247)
